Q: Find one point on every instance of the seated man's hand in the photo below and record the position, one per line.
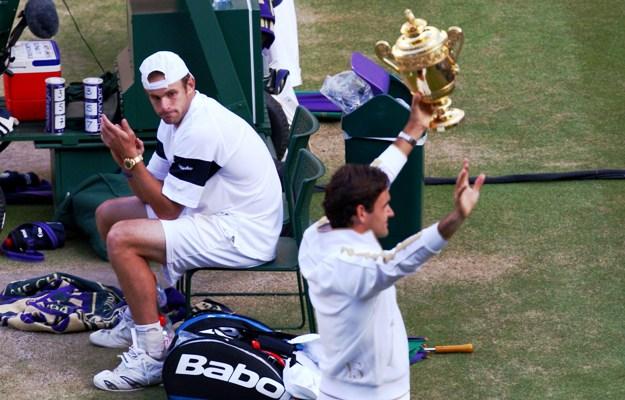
(7, 122)
(120, 139)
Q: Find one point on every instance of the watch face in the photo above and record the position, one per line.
(129, 163)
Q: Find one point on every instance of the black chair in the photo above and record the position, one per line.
(304, 125)
(307, 169)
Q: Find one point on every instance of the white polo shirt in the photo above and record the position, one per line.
(215, 163)
(351, 280)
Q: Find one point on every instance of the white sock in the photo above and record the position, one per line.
(150, 339)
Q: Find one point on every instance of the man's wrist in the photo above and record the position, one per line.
(415, 130)
(450, 224)
(131, 162)
(408, 138)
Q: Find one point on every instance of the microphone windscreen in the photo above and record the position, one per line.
(41, 17)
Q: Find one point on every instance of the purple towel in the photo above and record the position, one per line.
(316, 102)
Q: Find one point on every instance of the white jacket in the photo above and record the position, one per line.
(365, 348)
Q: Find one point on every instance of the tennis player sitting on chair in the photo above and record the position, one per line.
(209, 196)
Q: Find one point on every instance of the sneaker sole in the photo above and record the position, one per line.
(109, 389)
(108, 345)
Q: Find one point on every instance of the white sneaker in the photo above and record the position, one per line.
(119, 337)
(136, 371)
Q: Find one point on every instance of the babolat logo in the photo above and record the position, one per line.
(193, 364)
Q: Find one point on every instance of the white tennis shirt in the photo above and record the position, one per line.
(214, 162)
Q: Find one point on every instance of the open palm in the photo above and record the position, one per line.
(465, 195)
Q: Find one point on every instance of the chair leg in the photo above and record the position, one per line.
(302, 299)
(180, 284)
(312, 322)
(187, 290)
(306, 309)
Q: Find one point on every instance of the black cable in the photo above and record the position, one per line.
(539, 177)
(5, 55)
(525, 178)
(82, 37)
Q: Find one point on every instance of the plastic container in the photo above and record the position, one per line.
(24, 86)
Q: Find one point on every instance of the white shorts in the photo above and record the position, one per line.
(199, 241)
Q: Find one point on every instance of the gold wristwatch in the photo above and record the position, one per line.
(130, 162)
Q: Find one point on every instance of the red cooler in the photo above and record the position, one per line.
(25, 91)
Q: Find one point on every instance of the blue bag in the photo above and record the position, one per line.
(23, 242)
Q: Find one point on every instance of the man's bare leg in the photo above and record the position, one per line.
(131, 245)
(118, 209)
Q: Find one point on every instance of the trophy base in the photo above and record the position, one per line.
(446, 119)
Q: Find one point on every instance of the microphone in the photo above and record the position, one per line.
(41, 17)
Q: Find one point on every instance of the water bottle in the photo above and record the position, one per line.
(161, 297)
(168, 330)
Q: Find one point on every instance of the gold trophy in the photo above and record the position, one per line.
(427, 59)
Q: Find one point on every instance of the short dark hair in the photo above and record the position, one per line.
(350, 186)
(185, 79)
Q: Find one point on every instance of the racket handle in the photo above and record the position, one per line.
(455, 348)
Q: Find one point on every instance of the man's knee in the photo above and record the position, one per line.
(103, 212)
(117, 238)
(138, 237)
(104, 217)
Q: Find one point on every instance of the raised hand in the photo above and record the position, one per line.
(465, 199)
(120, 139)
(465, 195)
(420, 117)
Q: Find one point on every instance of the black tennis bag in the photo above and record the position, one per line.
(218, 356)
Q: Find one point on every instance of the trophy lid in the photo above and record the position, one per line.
(417, 37)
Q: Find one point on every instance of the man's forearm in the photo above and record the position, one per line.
(450, 224)
(150, 190)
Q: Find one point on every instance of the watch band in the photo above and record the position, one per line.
(131, 162)
(138, 159)
(403, 135)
